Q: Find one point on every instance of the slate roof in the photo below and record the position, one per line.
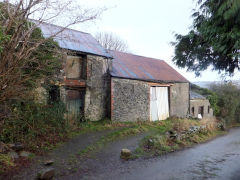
(194, 95)
(74, 40)
(131, 66)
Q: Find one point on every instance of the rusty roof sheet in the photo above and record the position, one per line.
(131, 66)
(74, 40)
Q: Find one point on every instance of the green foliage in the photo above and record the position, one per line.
(224, 99)
(228, 102)
(213, 99)
(6, 162)
(45, 63)
(160, 144)
(35, 125)
(210, 95)
(213, 40)
(237, 115)
(3, 39)
(27, 58)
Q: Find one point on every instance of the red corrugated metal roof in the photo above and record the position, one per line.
(131, 66)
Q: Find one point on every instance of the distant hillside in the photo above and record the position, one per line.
(207, 84)
(203, 84)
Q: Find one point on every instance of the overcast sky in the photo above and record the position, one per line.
(148, 26)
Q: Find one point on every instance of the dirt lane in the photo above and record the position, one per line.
(218, 159)
(63, 156)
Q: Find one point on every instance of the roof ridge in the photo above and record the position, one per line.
(138, 55)
(61, 27)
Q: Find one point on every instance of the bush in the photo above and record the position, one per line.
(228, 102)
(224, 99)
(34, 124)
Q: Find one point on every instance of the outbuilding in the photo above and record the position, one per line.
(144, 88)
(200, 106)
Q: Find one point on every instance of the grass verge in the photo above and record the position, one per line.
(124, 130)
(158, 144)
(133, 128)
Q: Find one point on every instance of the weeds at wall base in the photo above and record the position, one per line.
(162, 145)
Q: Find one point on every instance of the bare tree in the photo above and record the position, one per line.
(111, 41)
(19, 44)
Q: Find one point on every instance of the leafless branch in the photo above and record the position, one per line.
(111, 41)
(18, 51)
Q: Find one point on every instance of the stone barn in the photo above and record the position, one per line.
(144, 89)
(200, 106)
(84, 83)
(95, 84)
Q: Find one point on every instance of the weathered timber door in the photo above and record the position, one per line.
(159, 105)
(75, 102)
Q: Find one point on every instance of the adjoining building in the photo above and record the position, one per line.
(144, 88)
(200, 106)
(84, 83)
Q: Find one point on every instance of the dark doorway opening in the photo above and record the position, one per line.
(54, 94)
(201, 110)
(192, 111)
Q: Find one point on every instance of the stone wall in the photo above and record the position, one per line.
(97, 97)
(96, 84)
(88, 74)
(40, 95)
(129, 100)
(196, 103)
(179, 99)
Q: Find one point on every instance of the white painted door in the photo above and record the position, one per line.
(159, 106)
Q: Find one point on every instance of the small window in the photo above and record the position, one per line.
(192, 110)
(208, 109)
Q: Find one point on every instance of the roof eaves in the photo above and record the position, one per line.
(148, 80)
(88, 53)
